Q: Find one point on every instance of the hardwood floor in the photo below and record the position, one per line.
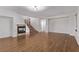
(40, 42)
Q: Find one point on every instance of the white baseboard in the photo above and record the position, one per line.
(71, 34)
(5, 36)
(14, 36)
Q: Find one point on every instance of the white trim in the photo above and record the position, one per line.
(62, 16)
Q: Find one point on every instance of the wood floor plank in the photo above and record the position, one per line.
(41, 42)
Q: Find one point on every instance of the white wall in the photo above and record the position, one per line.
(77, 33)
(35, 22)
(17, 19)
(44, 25)
(5, 26)
(62, 25)
(38, 24)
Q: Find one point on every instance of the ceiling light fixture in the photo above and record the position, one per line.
(36, 8)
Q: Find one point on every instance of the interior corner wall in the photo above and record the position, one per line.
(17, 19)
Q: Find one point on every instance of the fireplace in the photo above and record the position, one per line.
(21, 28)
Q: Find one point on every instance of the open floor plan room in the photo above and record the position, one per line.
(39, 29)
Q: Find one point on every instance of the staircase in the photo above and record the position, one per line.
(33, 31)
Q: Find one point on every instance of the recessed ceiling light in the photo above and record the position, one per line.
(36, 8)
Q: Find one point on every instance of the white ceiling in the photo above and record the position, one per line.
(48, 12)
